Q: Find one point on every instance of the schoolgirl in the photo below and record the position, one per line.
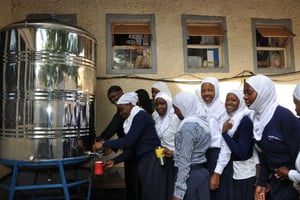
(140, 142)
(166, 124)
(191, 143)
(218, 157)
(238, 135)
(277, 133)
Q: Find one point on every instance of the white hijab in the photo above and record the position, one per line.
(296, 92)
(162, 87)
(236, 116)
(198, 94)
(129, 98)
(264, 105)
(216, 107)
(162, 123)
(190, 109)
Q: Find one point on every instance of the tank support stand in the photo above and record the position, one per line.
(38, 166)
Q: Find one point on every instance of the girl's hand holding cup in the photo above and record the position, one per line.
(168, 153)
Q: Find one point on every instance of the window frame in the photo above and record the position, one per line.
(224, 47)
(283, 23)
(113, 18)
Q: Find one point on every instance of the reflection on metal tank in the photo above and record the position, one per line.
(47, 80)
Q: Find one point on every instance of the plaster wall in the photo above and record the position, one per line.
(91, 16)
(6, 16)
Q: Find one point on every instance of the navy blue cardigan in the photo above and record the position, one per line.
(241, 143)
(140, 141)
(280, 143)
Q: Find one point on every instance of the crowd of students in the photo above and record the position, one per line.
(243, 149)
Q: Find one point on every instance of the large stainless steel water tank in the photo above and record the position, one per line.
(47, 86)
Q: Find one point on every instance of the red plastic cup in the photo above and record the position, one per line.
(98, 167)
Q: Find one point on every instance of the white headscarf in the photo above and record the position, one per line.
(216, 107)
(129, 98)
(215, 83)
(163, 122)
(198, 93)
(162, 87)
(190, 109)
(215, 112)
(265, 103)
(296, 92)
(240, 112)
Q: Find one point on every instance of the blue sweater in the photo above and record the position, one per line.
(241, 143)
(140, 141)
(191, 143)
(279, 144)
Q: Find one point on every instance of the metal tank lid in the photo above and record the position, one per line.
(48, 23)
